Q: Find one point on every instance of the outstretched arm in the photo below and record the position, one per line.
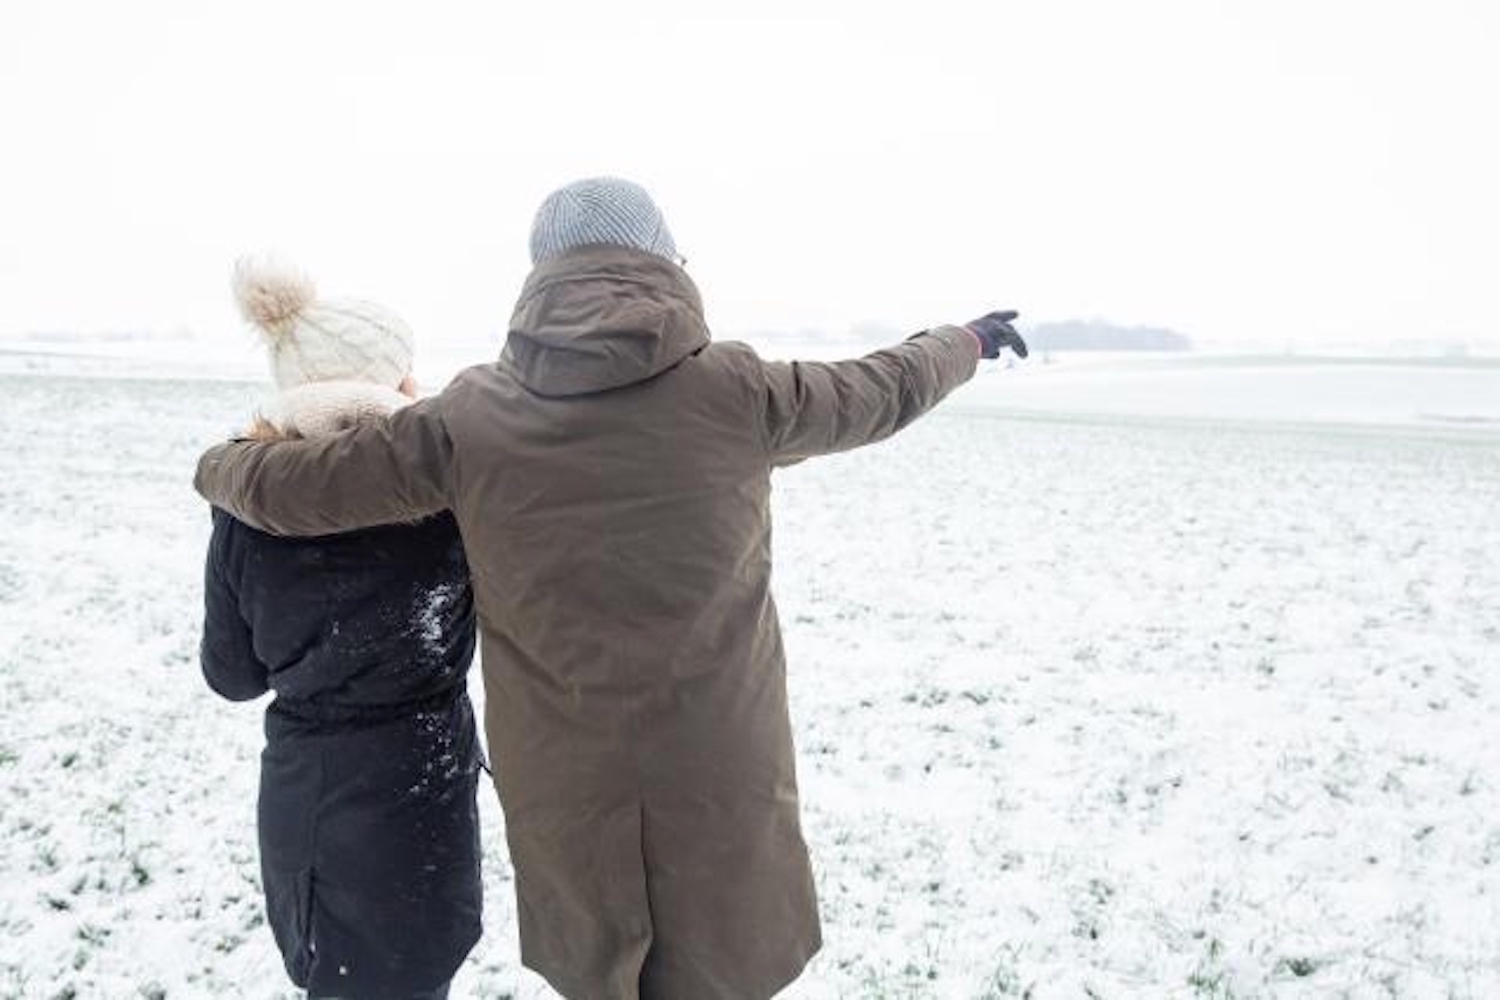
(389, 470)
(814, 408)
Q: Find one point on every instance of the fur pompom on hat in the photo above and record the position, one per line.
(314, 340)
(599, 210)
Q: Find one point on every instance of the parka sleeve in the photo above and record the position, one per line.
(815, 408)
(226, 654)
(387, 471)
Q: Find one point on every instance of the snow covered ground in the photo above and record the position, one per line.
(1330, 389)
(1093, 697)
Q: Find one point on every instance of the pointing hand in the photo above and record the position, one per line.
(994, 332)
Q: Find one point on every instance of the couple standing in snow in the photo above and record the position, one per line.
(599, 499)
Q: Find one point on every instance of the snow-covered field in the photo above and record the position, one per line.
(1117, 705)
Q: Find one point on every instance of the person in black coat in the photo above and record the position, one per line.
(369, 829)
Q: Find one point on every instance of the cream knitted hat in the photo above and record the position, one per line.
(312, 340)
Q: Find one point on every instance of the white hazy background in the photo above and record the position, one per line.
(1287, 174)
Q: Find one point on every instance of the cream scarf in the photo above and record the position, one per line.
(318, 409)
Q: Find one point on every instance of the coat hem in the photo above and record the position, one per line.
(764, 987)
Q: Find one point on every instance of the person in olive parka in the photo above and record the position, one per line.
(369, 834)
(611, 473)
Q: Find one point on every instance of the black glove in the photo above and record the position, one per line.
(994, 332)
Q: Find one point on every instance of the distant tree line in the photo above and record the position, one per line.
(1097, 335)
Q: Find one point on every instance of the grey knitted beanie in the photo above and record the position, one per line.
(599, 210)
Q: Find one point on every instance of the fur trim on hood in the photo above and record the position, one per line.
(318, 409)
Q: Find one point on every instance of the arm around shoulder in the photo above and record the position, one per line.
(386, 471)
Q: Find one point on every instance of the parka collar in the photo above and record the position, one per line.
(602, 317)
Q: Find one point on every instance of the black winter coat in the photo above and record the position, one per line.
(369, 832)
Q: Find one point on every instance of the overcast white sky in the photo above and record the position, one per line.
(1286, 171)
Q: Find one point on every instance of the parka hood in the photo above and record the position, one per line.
(602, 317)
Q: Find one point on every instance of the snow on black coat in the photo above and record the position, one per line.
(369, 832)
